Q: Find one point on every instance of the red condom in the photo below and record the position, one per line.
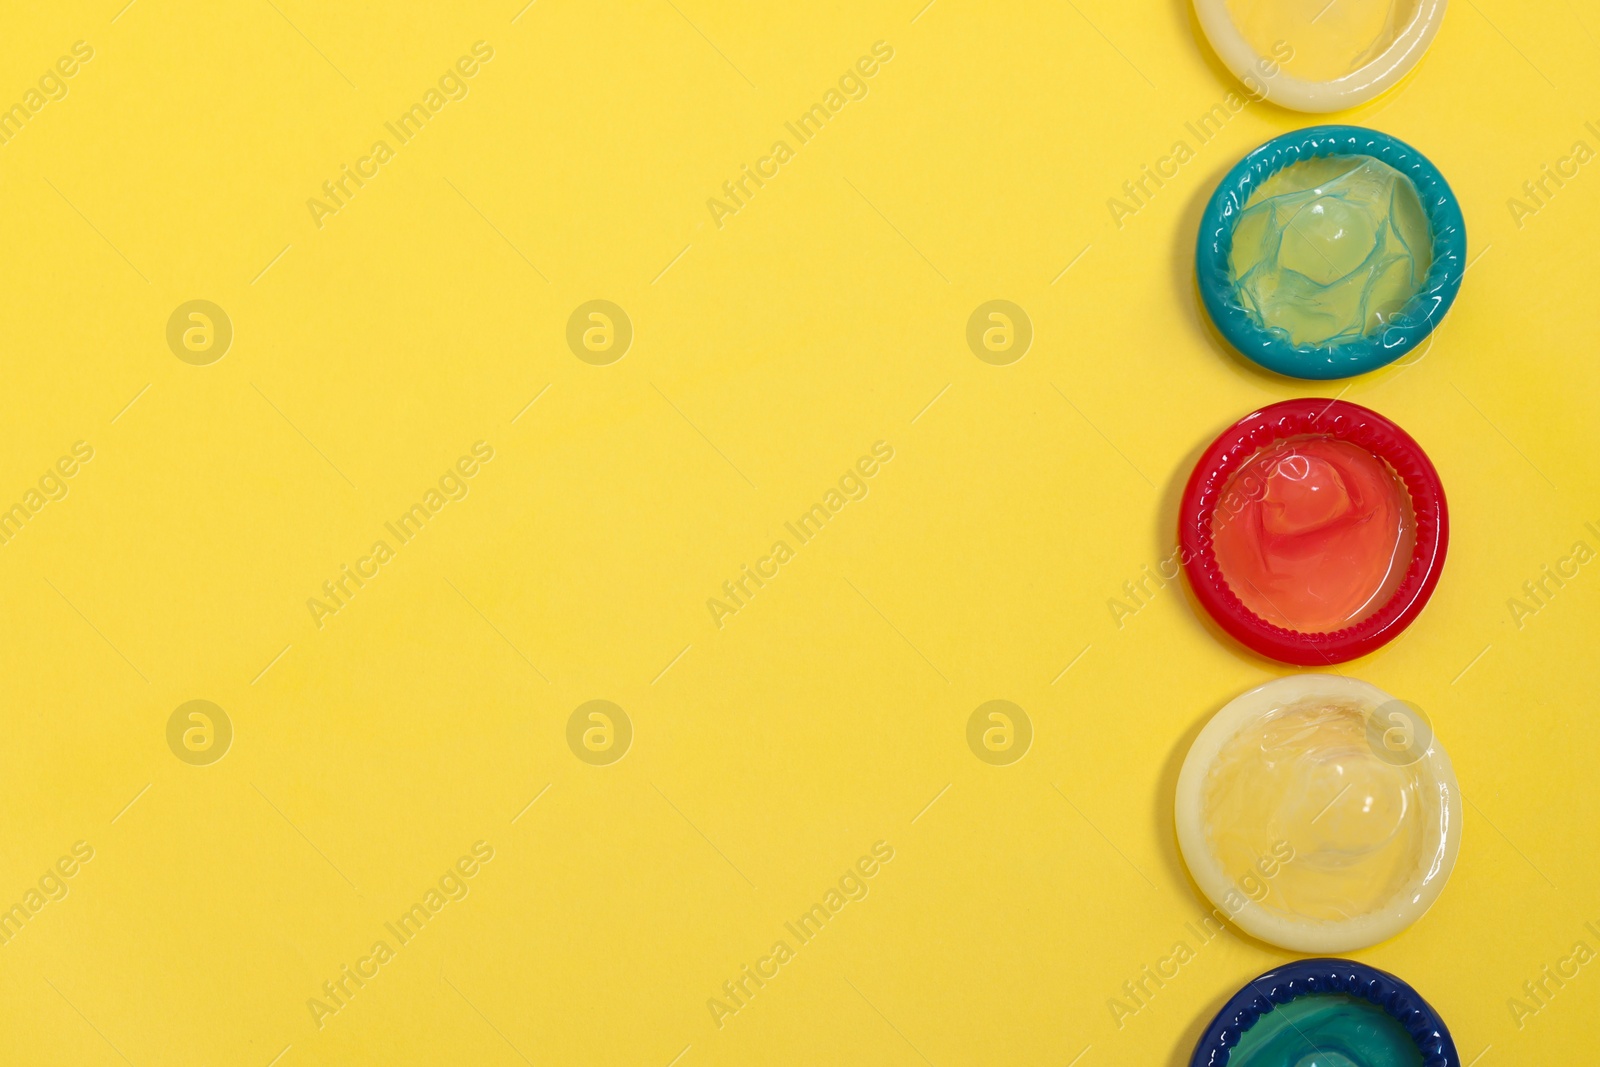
(1313, 531)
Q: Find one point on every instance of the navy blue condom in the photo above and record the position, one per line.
(1330, 1013)
(1329, 252)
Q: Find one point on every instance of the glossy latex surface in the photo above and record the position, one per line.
(1304, 781)
(1314, 534)
(1322, 41)
(1330, 249)
(1326, 1030)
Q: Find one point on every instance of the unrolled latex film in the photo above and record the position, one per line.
(1346, 831)
(1330, 249)
(1314, 534)
(1326, 1030)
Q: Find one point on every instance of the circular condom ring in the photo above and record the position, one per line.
(1305, 977)
(1360, 85)
(1274, 927)
(1339, 420)
(1272, 349)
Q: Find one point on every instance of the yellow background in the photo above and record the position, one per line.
(768, 355)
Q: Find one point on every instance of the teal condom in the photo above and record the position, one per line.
(1329, 252)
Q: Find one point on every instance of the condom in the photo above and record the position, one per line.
(1329, 252)
(1318, 813)
(1326, 1013)
(1312, 55)
(1313, 531)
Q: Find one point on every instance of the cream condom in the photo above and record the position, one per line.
(1342, 53)
(1319, 813)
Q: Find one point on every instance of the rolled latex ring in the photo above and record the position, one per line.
(1360, 85)
(1389, 1004)
(1319, 814)
(1225, 484)
(1273, 349)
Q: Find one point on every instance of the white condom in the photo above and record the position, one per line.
(1319, 814)
(1265, 75)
